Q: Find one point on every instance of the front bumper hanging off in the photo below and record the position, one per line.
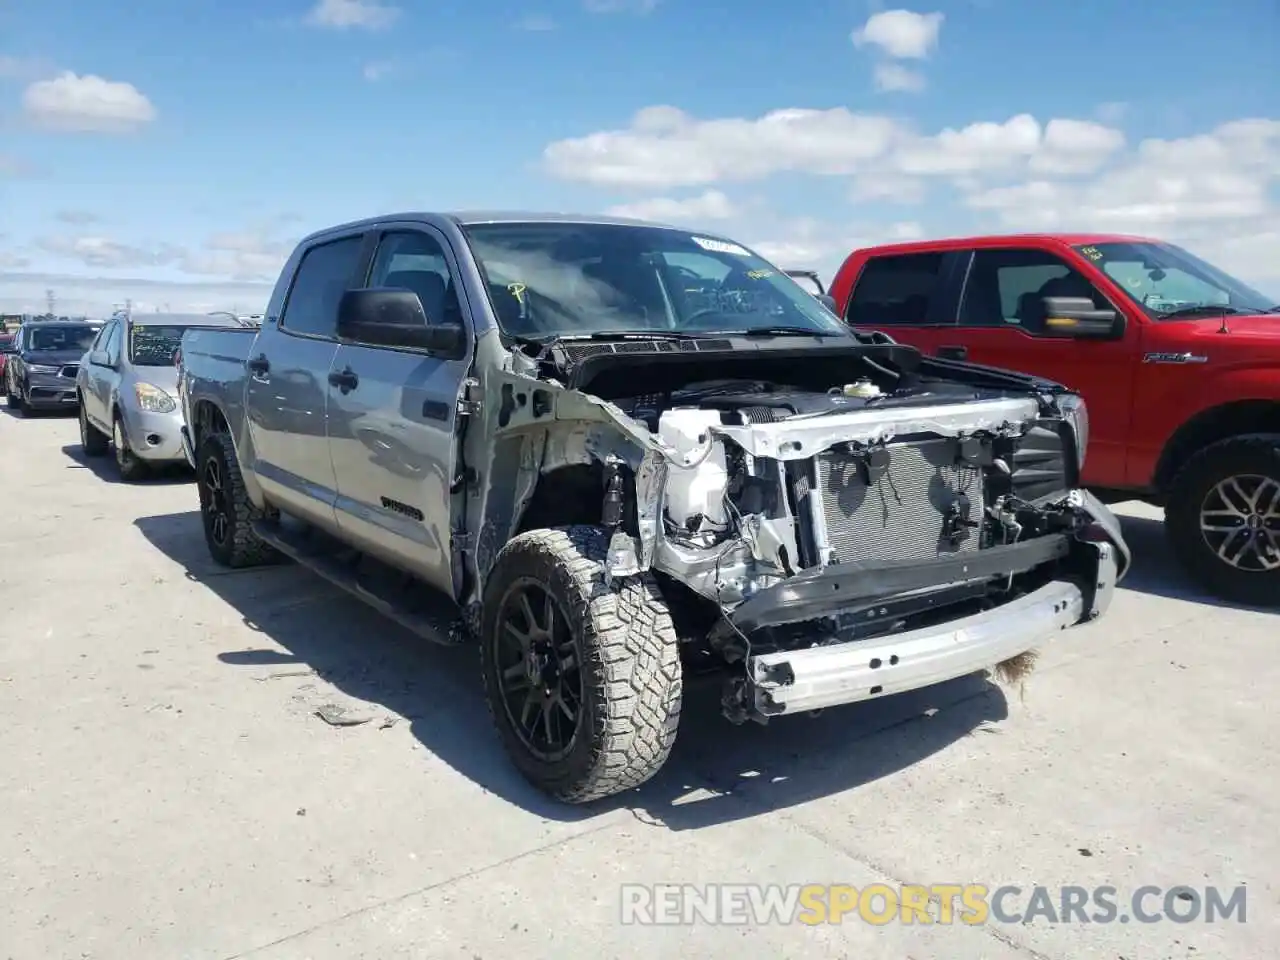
(813, 678)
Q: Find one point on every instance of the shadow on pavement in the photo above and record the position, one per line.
(104, 468)
(717, 772)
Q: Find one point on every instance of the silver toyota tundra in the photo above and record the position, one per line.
(601, 450)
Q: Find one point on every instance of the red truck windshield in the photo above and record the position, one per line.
(1166, 280)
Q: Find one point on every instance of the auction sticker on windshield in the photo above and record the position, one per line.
(720, 246)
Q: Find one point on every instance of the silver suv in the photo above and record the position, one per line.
(126, 386)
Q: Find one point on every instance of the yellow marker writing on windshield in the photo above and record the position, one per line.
(517, 291)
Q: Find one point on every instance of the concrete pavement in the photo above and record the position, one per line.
(167, 789)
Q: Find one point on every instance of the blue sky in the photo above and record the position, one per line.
(171, 152)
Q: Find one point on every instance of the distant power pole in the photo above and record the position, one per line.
(128, 308)
(51, 301)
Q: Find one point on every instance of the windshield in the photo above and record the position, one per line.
(61, 338)
(550, 279)
(153, 345)
(1168, 280)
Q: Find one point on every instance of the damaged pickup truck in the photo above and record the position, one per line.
(610, 453)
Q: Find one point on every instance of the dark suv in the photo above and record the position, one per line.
(41, 372)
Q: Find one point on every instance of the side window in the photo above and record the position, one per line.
(324, 274)
(101, 338)
(413, 260)
(894, 289)
(1008, 287)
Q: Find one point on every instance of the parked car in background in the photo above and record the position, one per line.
(1178, 361)
(127, 384)
(40, 374)
(808, 279)
(6, 347)
(598, 448)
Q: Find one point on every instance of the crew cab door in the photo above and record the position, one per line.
(287, 397)
(1001, 323)
(393, 414)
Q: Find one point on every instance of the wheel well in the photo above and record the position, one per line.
(1210, 426)
(206, 417)
(566, 496)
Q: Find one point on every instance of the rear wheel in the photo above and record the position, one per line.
(92, 440)
(1223, 519)
(582, 676)
(226, 511)
(130, 466)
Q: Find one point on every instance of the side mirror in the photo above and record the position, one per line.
(1078, 317)
(827, 301)
(99, 358)
(392, 317)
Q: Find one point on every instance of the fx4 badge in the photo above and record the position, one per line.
(1174, 358)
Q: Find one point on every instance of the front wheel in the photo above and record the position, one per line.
(130, 465)
(1223, 519)
(226, 511)
(582, 677)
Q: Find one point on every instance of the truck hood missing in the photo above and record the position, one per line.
(705, 430)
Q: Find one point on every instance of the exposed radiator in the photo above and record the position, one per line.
(902, 514)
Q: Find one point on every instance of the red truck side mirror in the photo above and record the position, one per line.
(1078, 317)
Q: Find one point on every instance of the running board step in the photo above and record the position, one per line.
(397, 596)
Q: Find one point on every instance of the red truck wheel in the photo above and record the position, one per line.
(1223, 519)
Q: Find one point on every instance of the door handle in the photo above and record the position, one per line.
(345, 380)
(953, 352)
(259, 365)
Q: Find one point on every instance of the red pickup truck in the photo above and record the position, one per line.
(1178, 363)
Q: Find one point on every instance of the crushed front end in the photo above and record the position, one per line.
(861, 542)
(835, 521)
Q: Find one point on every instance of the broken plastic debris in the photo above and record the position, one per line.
(337, 716)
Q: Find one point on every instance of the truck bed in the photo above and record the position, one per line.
(212, 367)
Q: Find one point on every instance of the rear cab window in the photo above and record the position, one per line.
(897, 289)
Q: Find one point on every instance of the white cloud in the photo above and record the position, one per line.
(1223, 176)
(620, 6)
(902, 34)
(665, 147)
(349, 14)
(87, 104)
(535, 23)
(709, 205)
(245, 256)
(1216, 192)
(377, 70)
(893, 77)
(99, 251)
(77, 218)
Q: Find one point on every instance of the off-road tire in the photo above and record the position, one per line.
(130, 466)
(630, 665)
(93, 441)
(241, 547)
(1192, 484)
(10, 397)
